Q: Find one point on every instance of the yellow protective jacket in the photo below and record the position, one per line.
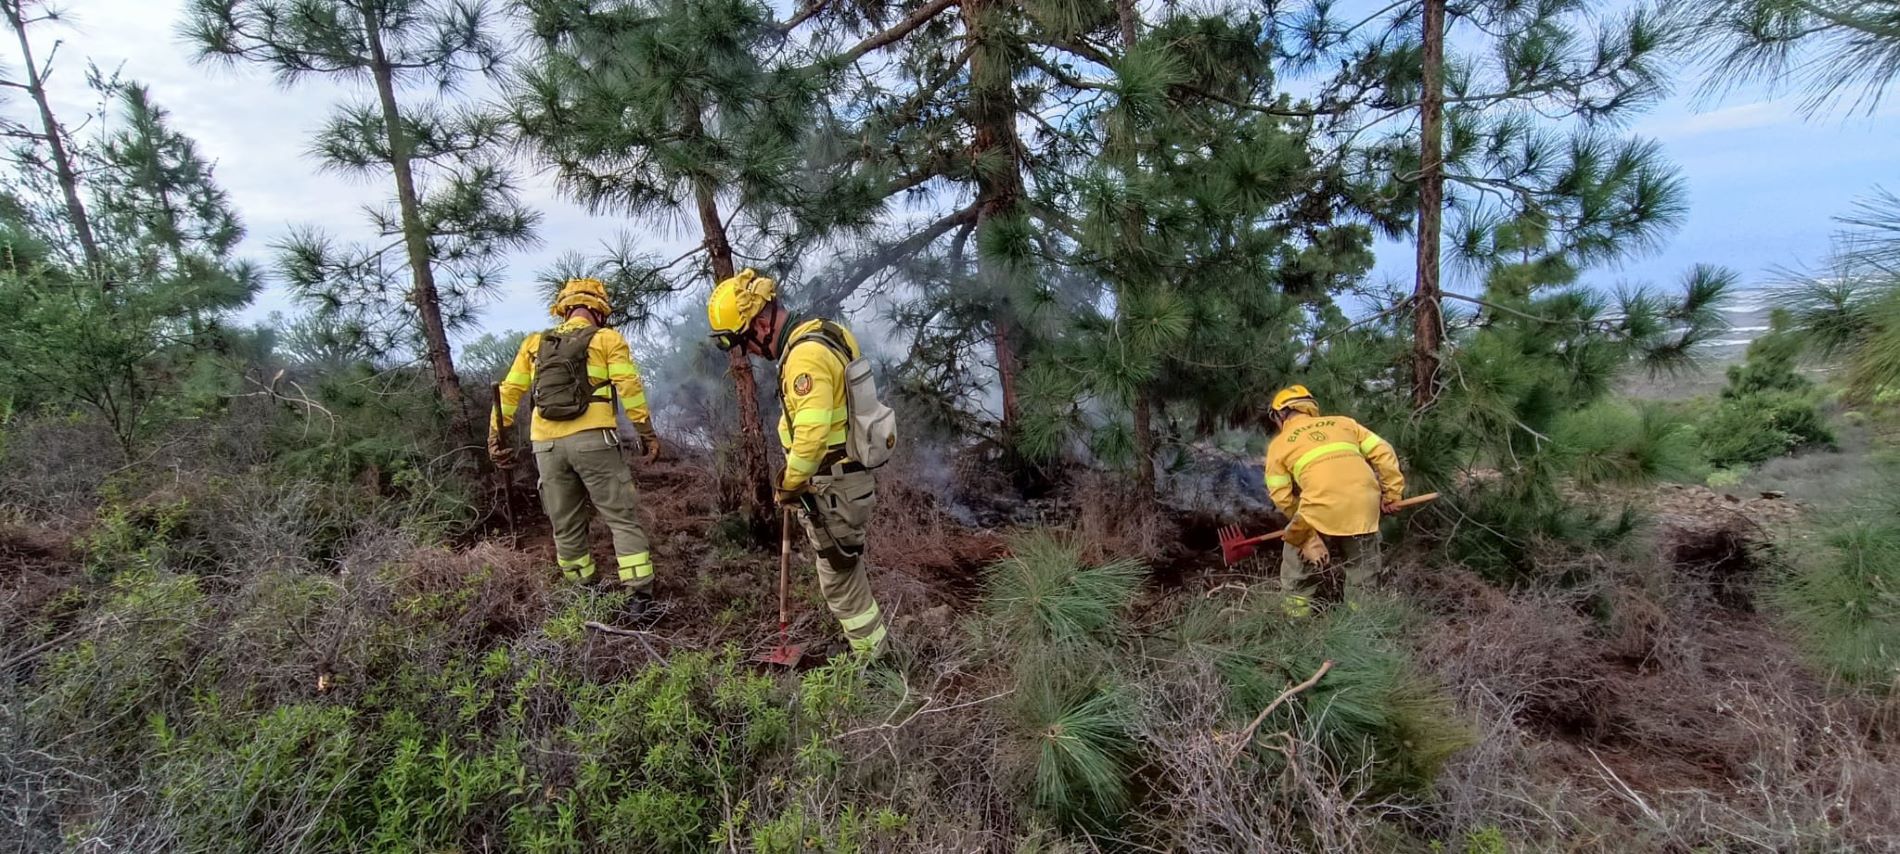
(607, 359)
(811, 383)
(1330, 473)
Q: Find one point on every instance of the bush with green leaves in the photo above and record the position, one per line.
(1051, 618)
(1619, 443)
(1759, 427)
(1046, 593)
(1841, 594)
(395, 709)
(1767, 409)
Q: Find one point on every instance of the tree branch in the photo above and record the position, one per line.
(903, 28)
(630, 633)
(1246, 735)
(833, 301)
(804, 14)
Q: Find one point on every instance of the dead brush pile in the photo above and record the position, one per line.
(1655, 708)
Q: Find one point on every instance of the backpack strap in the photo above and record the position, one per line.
(829, 334)
(832, 336)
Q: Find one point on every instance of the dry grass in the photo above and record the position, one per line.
(1652, 711)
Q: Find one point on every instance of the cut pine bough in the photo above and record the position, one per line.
(1236, 546)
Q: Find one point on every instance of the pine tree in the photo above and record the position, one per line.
(1527, 91)
(456, 208)
(1211, 226)
(166, 234)
(160, 210)
(1837, 52)
(649, 106)
(22, 15)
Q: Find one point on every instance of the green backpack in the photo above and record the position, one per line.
(562, 388)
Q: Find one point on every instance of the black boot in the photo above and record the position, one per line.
(640, 608)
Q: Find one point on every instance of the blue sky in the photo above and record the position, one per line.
(1763, 182)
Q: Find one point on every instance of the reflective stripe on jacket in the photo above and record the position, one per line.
(1332, 473)
(607, 359)
(811, 382)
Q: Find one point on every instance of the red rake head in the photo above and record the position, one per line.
(1234, 545)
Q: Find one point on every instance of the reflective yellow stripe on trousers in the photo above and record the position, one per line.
(870, 643)
(859, 621)
(636, 566)
(579, 567)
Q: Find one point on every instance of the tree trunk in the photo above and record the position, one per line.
(998, 191)
(1146, 485)
(56, 141)
(755, 487)
(427, 300)
(1428, 325)
(1142, 412)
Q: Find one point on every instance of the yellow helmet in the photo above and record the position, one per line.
(733, 304)
(1291, 394)
(591, 293)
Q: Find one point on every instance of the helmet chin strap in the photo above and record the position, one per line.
(773, 341)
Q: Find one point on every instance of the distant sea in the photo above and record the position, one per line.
(1747, 313)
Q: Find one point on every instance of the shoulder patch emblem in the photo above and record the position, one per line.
(801, 384)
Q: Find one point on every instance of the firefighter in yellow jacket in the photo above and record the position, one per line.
(836, 493)
(573, 374)
(1333, 478)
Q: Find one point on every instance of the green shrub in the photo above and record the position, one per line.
(1046, 593)
(1375, 712)
(1511, 538)
(1614, 442)
(97, 695)
(1077, 728)
(1841, 598)
(1767, 409)
(1755, 428)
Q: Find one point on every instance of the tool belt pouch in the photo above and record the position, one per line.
(821, 508)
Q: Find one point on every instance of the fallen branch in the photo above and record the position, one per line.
(22, 657)
(926, 709)
(1623, 789)
(636, 634)
(1246, 735)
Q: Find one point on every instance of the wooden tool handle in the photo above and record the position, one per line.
(1266, 538)
(784, 566)
(1414, 501)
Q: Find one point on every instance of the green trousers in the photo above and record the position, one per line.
(581, 474)
(1355, 560)
(835, 515)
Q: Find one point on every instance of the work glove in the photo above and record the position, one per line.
(791, 497)
(1313, 551)
(649, 443)
(1389, 507)
(503, 455)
